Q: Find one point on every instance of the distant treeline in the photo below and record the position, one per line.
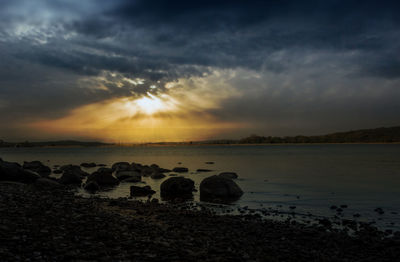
(50, 143)
(378, 135)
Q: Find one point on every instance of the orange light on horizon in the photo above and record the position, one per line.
(147, 119)
(180, 113)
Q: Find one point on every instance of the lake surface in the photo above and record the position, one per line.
(310, 177)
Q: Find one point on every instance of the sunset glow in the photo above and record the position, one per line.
(176, 116)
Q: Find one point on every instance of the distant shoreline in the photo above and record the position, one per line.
(382, 135)
(201, 144)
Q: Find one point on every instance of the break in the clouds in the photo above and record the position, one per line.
(180, 70)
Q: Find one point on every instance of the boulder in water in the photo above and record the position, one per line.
(10, 171)
(217, 188)
(157, 175)
(70, 178)
(121, 166)
(103, 178)
(177, 187)
(74, 169)
(38, 167)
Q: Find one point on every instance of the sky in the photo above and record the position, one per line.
(146, 71)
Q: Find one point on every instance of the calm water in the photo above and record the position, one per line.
(310, 177)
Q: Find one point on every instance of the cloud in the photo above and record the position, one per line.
(277, 65)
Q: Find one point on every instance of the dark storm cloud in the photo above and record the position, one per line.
(241, 33)
(53, 52)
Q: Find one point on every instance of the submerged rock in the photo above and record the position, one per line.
(219, 188)
(141, 191)
(38, 167)
(177, 187)
(230, 175)
(88, 165)
(379, 211)
(181, 169)
(146, 170)
(203, 170)
(157, 175)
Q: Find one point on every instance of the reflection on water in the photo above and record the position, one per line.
(310, 177)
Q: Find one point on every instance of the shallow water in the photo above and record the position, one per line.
(310, 177)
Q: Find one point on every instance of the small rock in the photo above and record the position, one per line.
(157, 175)
(230, 175)
(141, 191)
(181, 169)
(88, 165)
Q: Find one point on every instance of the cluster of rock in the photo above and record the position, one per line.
(219, 188)
(56, 225)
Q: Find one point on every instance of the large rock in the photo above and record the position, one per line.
(131, 176)
(146, 171)
(91, 186)
(121, 166)
(217, 188)
(14, 172)
(103, 177)
(141, 191)
(230, 175)
(105, 170)
(74, 169)
(177, 187)
(47, 184)
(38, 167)
(70, 178)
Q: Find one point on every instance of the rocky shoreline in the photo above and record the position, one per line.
(41, 219)
(40, 224)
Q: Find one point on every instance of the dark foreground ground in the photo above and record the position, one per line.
(56, 225)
